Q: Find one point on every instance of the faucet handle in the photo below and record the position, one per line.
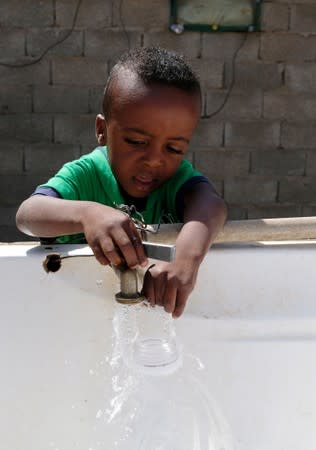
(163, 252)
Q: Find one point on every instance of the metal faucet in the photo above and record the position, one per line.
(129, 293)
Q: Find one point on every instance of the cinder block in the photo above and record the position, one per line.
(27, 13)
(274, 211)
(209, 133)
(15, 99)
(47, 159)
(95, 14)
(12, 234)
(209, 71)
(308, 210)
(12, 42)
(256, 75)
(223, 46)
(311, 164)
(301, 77)
(256, 190)
(279, 47)
(146, 15)
(305, 2)
(278, 162)
(26, 127)
(303, 18)
(86, 148)
(75, 129)
(298, 135)
(61, 99)
(34, 74)
(39, 39)
(79, 71)
(110, 43)
(281, 104)
(16, 188)
(274, 17)
(238, 105)
(257, 134)
(7, 218)
(11, 158)
(186, 44)
(297, 189)
(95, 99)
(222, 163)
(236, 213)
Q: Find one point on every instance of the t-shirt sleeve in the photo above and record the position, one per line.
(183, 180)
(74, 181)
(50, 192)
(186, 187)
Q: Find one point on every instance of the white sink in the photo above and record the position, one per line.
(248, 337)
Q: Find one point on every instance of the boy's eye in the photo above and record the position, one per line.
(174, 150)
(135, 141)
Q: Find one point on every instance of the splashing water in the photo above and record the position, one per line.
(156, 406)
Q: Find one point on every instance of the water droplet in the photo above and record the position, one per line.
(99, 414)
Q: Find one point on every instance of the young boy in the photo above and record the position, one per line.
(151, 105)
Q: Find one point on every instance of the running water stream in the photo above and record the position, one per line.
(156, 399)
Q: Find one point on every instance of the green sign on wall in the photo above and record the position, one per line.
(214, 15)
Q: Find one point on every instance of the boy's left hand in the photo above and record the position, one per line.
(169, 284)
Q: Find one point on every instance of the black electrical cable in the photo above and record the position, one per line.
(123, 25)
(219, 109)
(57, 42)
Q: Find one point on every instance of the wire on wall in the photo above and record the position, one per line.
(232, 82)
(53, 45)
(123, 25)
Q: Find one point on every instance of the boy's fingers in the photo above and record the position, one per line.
(125, 248)
(148, 288)
(159, 285)
(114, 256)
(180, 304)
(110, 251)
(138, 246)
(98, 253)
(170, 297)
(129, 245)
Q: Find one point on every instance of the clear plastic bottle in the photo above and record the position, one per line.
(165, 411)
(155, 347)
(178, 413)
(158, 399)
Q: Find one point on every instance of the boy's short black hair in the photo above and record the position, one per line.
(153, 65)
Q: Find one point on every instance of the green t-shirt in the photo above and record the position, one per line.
(90, 178)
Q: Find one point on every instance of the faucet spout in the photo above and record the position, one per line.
(129, 293)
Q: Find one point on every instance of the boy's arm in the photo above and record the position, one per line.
(109, 232)
(46, 216)
(204, 217)
(169, 284)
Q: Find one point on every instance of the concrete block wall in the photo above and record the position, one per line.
(259, 149)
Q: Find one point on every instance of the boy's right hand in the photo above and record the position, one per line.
(112, 236)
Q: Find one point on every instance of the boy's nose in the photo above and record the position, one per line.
(154, 157)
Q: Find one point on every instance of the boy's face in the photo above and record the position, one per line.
(147, 133)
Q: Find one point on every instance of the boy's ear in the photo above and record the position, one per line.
(100, 129)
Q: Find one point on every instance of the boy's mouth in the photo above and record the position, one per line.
(145, 183)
